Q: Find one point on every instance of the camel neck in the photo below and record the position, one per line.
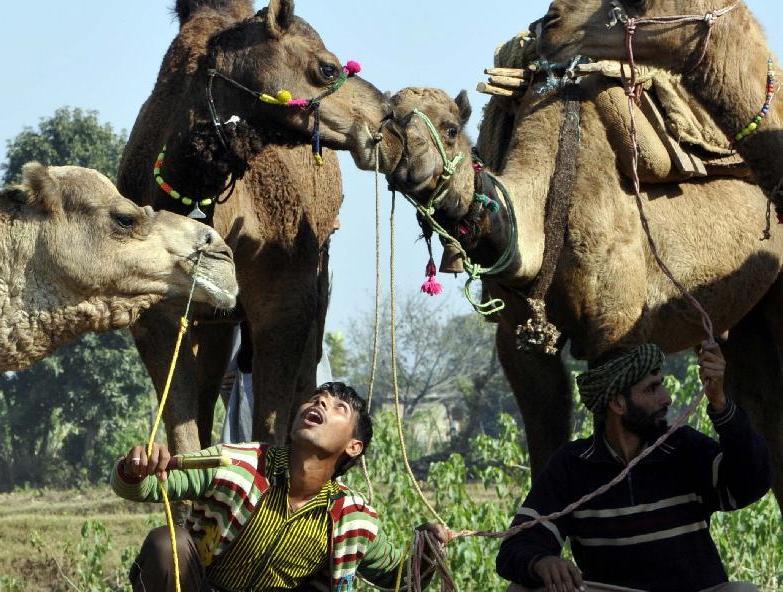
(731, 81)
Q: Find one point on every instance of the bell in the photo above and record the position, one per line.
(196, 213)
(451, 261)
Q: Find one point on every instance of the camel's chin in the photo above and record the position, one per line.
(211, 293)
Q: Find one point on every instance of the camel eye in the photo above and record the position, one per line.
(452, 133)
(329, 71)
(124, 221)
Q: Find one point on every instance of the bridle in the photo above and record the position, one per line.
(284, 99)
(427, 213)
(618, 14)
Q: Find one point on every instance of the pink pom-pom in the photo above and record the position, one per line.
(432, 286)
(352, 68)
(301, 103)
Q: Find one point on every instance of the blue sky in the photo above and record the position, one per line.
(105, 55)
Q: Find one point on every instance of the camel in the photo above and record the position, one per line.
(607, 290)
(730, 80)
(277, 207)
(76, 256)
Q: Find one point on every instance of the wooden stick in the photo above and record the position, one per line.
(510, 72)
(508, 82)
(488, 89)
(179, 463)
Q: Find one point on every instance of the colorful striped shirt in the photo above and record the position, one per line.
(279, 548)
(225, 498)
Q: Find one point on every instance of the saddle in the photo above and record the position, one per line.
(678, 139)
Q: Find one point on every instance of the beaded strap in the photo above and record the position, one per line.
(173, 193)
(755, 123)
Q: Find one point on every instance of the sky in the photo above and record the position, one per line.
(105, 55)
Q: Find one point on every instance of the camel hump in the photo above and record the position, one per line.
(185, 9)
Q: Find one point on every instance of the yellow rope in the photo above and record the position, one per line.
(183, 328)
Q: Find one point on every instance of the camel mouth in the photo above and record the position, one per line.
(218, 296)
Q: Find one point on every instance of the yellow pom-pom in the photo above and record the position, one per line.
(319, 161)
(284, 96)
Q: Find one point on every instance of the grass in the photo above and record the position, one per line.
(57, 517)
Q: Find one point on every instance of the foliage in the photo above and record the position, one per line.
(483, 490)
(450, 361)
(67, 418)
(70, 136)
(337, 352)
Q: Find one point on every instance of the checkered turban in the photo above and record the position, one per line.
(598, 385)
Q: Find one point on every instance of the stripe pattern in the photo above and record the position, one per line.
(278, 548)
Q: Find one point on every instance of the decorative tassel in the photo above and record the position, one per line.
(196, 212)
(352, 68)
(431, 286)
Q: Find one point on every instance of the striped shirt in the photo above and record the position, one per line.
(278, 548)
(650, 531)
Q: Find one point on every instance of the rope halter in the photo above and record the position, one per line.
(449, 165)
(475, 271)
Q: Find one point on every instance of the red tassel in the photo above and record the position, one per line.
(431, 286)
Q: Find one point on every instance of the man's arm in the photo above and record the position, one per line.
(739, 467)
(532, 557)
(136, 478)
(381, 564)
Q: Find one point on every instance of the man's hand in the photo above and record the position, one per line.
(441, 533)
(559, 575)
(712, 367)
(136, 464)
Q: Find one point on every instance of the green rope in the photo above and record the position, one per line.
(475, 271)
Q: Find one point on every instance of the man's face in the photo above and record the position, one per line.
(646, 407)
(326, 423)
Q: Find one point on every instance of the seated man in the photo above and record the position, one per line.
(274, 518)
(651, 531)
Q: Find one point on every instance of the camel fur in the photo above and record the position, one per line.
(607, 289)
(76, 256)
(278, 215)
(730, 80)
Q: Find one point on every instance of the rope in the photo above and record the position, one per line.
(395, 384)
(183, 327)
(377, 323)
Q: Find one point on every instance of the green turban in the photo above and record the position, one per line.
(598, 385)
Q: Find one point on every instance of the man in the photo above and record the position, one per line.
(273, 518)
(651, 531)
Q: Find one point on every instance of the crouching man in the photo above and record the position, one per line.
(651, 531)
(272, 518)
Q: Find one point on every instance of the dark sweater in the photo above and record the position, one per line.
(651, 531)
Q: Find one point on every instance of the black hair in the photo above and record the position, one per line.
(362, 425)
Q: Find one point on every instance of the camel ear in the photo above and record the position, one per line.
(40, 188)
(463, 103)
(279, 17)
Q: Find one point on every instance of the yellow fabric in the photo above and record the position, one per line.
(278, 549)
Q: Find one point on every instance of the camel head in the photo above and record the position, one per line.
(595, 29)
(87, 241)
(420, 167)
(276, 51)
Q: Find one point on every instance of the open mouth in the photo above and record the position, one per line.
(313, 416)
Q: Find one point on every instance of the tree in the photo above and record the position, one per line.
(70, 414)
(338, 354)
(446, 361)
(70, 136)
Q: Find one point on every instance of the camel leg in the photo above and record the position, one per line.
(212, 344)
(754, 376)
(155, 334)
(281, 320)
(543, 392)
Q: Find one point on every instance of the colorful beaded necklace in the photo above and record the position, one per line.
(755, 123)
(174, 194)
